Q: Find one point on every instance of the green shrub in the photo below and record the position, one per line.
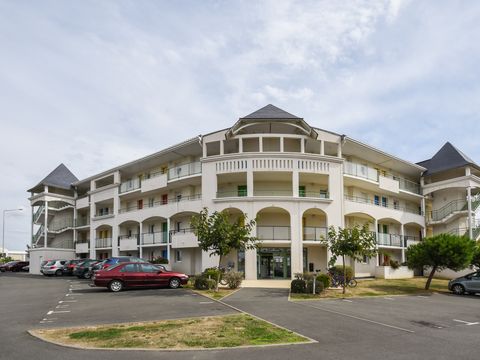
(394, 264)
(233, 278)
(325, 280)
(204, 283)
(298, 286)
(159, 260)
(308, 276)
(338, 270)
(211, 273)
(318, 287)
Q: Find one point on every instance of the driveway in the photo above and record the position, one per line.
(434, 327)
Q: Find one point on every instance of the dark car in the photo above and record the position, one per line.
(120, 259)
(83, 269)
(469, 283)
(14, 266)
(70, 266)
(135, 274)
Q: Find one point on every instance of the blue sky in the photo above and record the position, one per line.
(94, 84)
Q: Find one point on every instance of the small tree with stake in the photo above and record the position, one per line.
(219, 236)
(440, 252)
(356, 243)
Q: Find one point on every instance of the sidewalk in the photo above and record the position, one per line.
(270, 284)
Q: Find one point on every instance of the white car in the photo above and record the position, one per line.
(53, 267)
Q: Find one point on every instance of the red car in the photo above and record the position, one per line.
(14, 266)
(129, 275)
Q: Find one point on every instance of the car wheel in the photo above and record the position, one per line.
(87, 275)
(174, 283)
(458, 289)
(115, 286)
(58, 273)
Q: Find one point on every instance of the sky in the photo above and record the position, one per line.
(94, 84)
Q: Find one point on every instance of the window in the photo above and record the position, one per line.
(164, 254)
(396, 204)
(129, 268)
(178, 197)
(140, 204)
(376, 200)
(242, 190)
(301, 191)
(148, 268)
(151, 201)
(165, 199)
(384, 201)
(151, 229)
(129, 233)
(178, 255)
(365, 259)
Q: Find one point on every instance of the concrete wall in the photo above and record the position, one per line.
(39, 255)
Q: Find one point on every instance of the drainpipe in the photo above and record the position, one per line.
(469, 202)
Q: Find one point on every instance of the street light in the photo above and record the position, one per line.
(3, 229)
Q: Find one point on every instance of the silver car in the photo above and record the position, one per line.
(53, 267)
(469, 284)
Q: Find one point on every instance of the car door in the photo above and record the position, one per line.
(131, 275)
(150, 275)
(474, 282)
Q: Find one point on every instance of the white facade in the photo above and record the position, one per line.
(294, 179)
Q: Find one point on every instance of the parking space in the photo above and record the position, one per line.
(85, 305)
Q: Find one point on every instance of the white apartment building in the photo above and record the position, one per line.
(295, 179)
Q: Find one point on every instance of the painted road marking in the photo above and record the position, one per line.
(68, 301)
(206, 302)
(467, 323)
(423, 297)
(387, 298)
(57, 312)
(347, 300)
(61, 306)
(73, 294)
(356, 317)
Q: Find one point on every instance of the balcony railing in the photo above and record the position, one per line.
(38, 213)
(314, 194)
(389, 239)
(273, 233)
(311, 233)
(38, 234)
(410, 240)
(369, 173)
(82, 221)
(184, 170)
(273, 192)
(160, 237)
(368, 201)
(130, 185)
(103, 243)
(231, 193)
(104, 213)
(448, 209)
(161, 203)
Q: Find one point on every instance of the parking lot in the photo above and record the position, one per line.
(401, 327)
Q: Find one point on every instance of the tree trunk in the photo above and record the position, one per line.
(344, 274)
(430, 277)
(219, 273)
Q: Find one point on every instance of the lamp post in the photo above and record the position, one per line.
(3, 229)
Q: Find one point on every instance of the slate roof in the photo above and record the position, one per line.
(270, 112)
(61, 178)
(447, 158)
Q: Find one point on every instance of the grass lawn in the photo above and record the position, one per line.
(381, 287)
(204, 332)
(217, 295)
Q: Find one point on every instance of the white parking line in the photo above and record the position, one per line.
(73, 294)
(350, 301)
(61, 306)
(356, 317)
(467, 323)
(387, 298)
(206, 302)
(67, 301)
(423, 297)
(57, 312)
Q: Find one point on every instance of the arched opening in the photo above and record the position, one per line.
(413, 233)
(129, 238)
(274, 253)
(235, 259)
(154, 238)
(389, 241)
(314, 230)
(186, 256)
(103, 241)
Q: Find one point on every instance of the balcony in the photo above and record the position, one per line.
(311, 233)
(103, 214)
(184, 238)
(322, 194)
(273, 192)
(159, 238)
(82, 221)
(103, 243)
(130, 185)
(410, 240)
(393, 240)
(368, 201)
(161, 203)
(273, 233)
(369, 173)
(184, 170)
(82, 202)
(156, 181)
(81, 247)
(127, 242)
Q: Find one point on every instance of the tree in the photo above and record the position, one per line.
(6, 259)
(476, 256)
(440, 252)
(356, 243)
(219, 236)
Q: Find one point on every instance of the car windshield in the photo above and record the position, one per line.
(50, 263)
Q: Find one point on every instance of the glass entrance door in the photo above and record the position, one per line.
(273, 263)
